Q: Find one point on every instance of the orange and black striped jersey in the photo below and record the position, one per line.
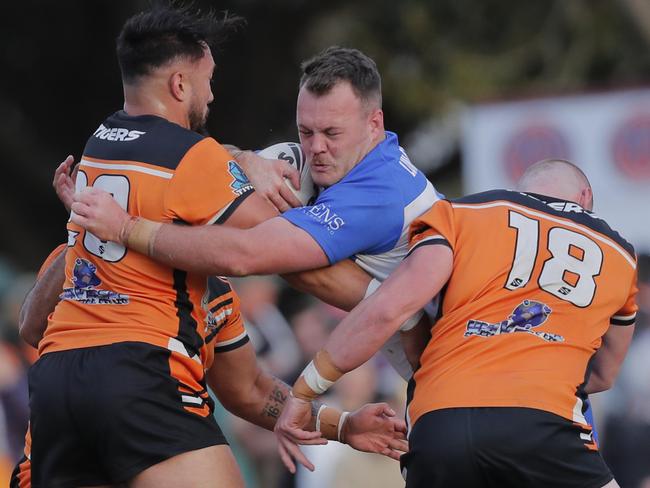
(536, 283)
(163, 172)
(223, 330)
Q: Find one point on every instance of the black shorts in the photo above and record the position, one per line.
(501, 447)
(101, 415)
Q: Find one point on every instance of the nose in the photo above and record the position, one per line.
(318, 144)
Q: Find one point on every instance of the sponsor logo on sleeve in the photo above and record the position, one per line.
(324, 215)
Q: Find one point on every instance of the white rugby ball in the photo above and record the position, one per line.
(292, 153)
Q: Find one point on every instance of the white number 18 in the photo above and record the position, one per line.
(570, 271)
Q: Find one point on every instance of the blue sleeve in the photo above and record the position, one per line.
(348, 218)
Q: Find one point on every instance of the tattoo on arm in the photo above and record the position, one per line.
(276, 399)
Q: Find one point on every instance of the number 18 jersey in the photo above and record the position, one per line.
(536, 283)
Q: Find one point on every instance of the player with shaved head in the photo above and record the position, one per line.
(538, 310)
(558, 176)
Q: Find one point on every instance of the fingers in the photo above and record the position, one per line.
(384, 409)
(286, 458)
(398, 445)
(289, 450)
(62, 182)
(293, 175)
(278, 202)
(75, 170)
(80, 220)
(289, 196)
(392, 454)
(90, 195)
(81, 209)
(400, 426)
(64, 166)
(300, 436)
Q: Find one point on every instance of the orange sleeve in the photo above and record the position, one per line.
(206, 182)
(435, 226)
(627, 314)
(58, 250)
(233, 334)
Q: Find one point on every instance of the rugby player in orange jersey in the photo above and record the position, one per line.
(232, 372)
(538, 310)
(134, 325)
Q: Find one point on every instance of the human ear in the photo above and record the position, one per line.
(179, 86)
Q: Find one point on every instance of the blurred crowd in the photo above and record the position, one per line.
(287, 328)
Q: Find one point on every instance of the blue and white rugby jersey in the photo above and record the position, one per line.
(366, 216)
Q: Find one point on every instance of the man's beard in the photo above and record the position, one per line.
(198, 119)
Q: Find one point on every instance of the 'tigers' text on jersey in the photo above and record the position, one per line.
(116, 133)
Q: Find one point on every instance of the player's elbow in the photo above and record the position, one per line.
(387, 316)
(28, 333)
(607, 380)
(601, 381)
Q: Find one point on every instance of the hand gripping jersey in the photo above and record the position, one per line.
(366, 217)
(536, 283)
(163, 172)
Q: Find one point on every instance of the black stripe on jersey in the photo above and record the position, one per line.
(233, 206)
(439, 241)
(217, 288)
(187, 326)
(144, 138)
(541, 203)
(233, 346)
(623, 322)
(221, 304)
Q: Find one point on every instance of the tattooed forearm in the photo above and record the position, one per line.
(276, 399)
(274, 404)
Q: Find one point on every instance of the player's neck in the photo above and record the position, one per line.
(145, 102)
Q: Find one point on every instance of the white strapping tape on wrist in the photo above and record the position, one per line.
(322, 407)
(412, 321)
(372, 286)
(342, 420)
(314, 380)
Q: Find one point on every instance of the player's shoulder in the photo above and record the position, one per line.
(544, 205)
(144, 138)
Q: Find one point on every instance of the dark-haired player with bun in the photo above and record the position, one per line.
(119, 392)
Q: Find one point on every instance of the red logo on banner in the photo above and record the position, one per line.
(531, 144)
(631, 147)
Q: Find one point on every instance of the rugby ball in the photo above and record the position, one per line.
(292, 153)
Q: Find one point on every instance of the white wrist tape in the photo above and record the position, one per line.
(322, 407)
(412, 321)
(314, 380)
(372, 286)
(344, 417)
